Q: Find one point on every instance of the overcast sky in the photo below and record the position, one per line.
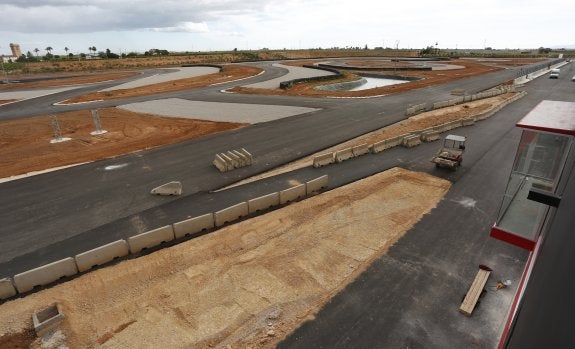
(208, 25)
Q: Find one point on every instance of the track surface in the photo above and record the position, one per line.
(59, 214)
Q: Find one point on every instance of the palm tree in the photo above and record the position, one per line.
(49, 49)
(36, 50)
(66, 49)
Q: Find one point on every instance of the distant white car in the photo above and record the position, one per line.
(554, 73)
(573, 78)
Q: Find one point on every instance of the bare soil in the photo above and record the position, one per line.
(246, 285)
(26, 143)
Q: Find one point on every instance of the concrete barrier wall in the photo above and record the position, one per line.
(7, 288)
(386, 144)
(344, 154)
(316, 184)
(101, 255)
(361, 149)
(220, 163)
(430, 136)
(150, 238)
(193, 225)
(468, 122)
(248, 155)
(411, 141)
(323, 160)
(231, 213)
(45, 274)
(291, 194)
(263, 202)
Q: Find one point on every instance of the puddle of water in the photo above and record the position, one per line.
(377, 82)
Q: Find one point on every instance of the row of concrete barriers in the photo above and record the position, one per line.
(407, 140)
(232, 159)
(416, 109)
(70, 266)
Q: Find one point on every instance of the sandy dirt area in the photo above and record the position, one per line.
(229, 73)
(246, 285)
(72, 79)
(26, 143)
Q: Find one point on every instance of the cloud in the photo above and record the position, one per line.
(184, 27)
(80, 16)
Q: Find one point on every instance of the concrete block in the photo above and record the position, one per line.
(411, 141)
(231, 213)
(234, 158)
(228, 160)
(323, 160)
(7, 288)
(45, 274)
(220, 163)
(264, 202)
(292, 194)
(150, 238)
(344, 154)
(430, 136)
(243, 157)
(386, 144)
(361, 149)
(101, 255)
(468, 122)
(47, 320)
(193, 225)
(458, 92)
(248, 154)
(171, 188)
(316, 184)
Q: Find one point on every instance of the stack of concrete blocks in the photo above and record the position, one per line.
(232, 159)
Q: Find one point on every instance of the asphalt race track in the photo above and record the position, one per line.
(47, 217)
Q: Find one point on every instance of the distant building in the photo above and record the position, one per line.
(8, 59)
(15, 50)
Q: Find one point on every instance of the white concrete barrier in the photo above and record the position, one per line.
(7, 288)
(231, 213)
(193, 225)
(150, 238)
(386, 144)
(411, 141)
(468, 121)
(170, 188)
(344, 154)
(45, 274)
(245, 161)
(292, 193)
(361, 149)
(235, 159)
(316, 184)
(249, 156)
(430, 136)
(220, 163)
(323, 160)
(101, 255)
(263, 202)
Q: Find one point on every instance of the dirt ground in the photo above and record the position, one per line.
(26, 143)
(247, 285)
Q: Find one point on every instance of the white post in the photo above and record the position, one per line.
(96, 118)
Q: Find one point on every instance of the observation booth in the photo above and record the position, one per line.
(539, 174)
